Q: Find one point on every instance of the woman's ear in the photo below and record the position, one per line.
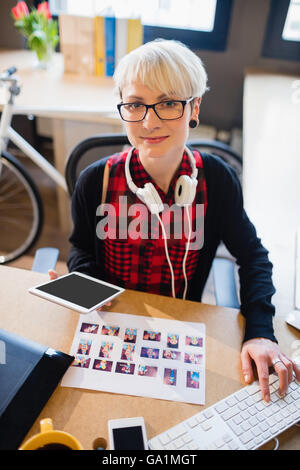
(196, 107)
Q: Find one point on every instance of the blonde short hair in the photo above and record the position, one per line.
(167, 65)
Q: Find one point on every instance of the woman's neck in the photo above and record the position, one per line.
(162, 169)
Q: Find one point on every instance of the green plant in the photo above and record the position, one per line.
(40, 30)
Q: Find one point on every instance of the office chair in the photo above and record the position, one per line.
(98, 146)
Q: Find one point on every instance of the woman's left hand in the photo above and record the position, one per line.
(266, 353)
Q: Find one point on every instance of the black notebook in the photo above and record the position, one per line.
(29, 374)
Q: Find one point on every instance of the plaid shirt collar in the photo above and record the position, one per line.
(140, 176)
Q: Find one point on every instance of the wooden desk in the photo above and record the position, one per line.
(78, 105)
(84, 413)
(271, 169)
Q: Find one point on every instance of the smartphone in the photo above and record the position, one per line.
(127, 434)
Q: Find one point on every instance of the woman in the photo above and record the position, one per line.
(161, 85)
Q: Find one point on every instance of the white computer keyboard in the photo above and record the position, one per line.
(238, 422)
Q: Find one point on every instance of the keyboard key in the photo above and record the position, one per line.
(187, 439)
(221, 407)
(233, 445)
(263, 426)
(177, 431)
(242, 405)
(246, 437)
(164, 439)
(208, 413)
(231, 401)
(227, 438)
(238, 419)
(241, 394)
(156, 444)
(179, 443)
(253, 388)
(192, 422)
(200, 418)
(206, 426)
(230, 413)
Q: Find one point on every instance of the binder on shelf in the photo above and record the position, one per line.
(85, 45)
(135, 33)
(77, 43)
(121, 39)
(110, 36)
(67, 39)
(29, 374)
(99, 45)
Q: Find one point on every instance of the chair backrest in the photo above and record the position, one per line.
(100, 146)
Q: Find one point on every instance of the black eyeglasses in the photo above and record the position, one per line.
(165, 110)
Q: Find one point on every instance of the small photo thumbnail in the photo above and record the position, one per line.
(194, 341)
(89, 328)
(81, 361)
(84, 346)
(150, 353)
(191, 358)
(150, 335)
(170, 376)
(102, 364)
(192, 379)
(130, 335)
(173, 340)
(147, 371)
(125, 368)
(106, 349)
(169, 354)
(128, 352)
(110, 330)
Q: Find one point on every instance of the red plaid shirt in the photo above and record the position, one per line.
(134, 253)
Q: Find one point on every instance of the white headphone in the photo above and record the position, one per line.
(185, 189)
(185, 192)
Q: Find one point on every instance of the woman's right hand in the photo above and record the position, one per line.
(54, 275)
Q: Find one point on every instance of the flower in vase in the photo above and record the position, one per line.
(38, 27)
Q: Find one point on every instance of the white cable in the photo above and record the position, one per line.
(167, 255)
(276, 443)
(186, 252)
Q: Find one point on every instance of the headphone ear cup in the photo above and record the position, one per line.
(149, 196)
(185, 190)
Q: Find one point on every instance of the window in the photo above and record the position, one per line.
(291, 30)
(282, 38)
(201, 24)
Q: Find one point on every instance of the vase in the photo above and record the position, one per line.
(43, 58)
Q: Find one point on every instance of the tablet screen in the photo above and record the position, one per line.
(79, 290)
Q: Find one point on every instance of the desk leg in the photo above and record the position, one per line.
(66, 135)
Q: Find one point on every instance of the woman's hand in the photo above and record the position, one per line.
(54, 275)
(265, 353)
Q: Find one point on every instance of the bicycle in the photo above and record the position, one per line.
(21, 207)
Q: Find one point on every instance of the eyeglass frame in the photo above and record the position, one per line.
(152, 106)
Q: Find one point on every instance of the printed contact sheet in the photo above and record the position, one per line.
(138, 355)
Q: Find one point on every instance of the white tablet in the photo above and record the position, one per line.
(77, 291)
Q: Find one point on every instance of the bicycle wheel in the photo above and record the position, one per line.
(21, 209)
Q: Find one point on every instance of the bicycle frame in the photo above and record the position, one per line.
(7, 132)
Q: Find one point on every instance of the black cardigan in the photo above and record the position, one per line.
(225, 220)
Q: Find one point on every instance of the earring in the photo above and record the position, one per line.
(193, 123)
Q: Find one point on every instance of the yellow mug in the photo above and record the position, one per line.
(50, 439)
